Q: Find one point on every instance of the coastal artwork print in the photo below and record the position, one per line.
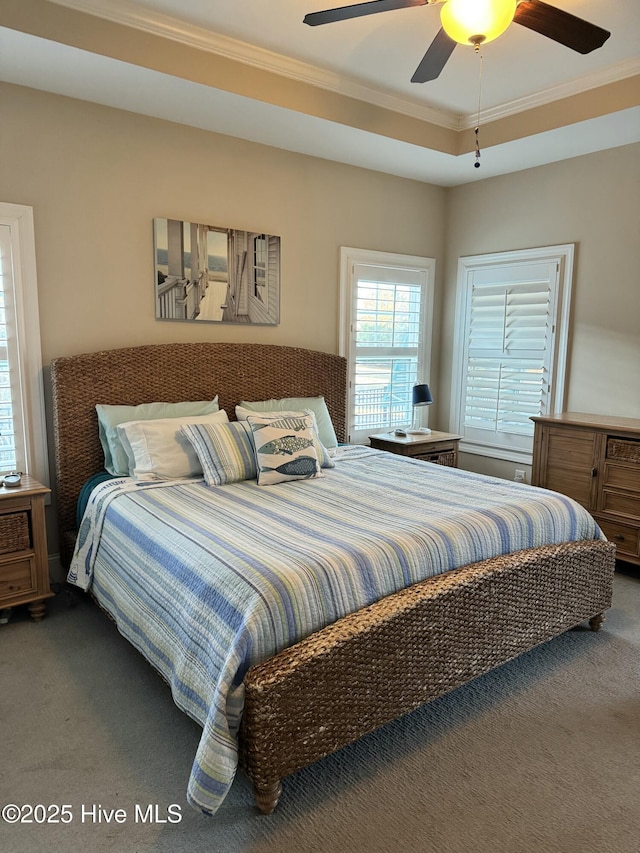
(209, 273)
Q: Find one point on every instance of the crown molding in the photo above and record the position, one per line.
(155, 23)
(620, 71)
(130, 14)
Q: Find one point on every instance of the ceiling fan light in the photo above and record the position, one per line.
(476, 21)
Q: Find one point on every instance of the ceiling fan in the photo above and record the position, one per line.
(560, 26)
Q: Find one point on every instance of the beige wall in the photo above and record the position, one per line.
(96, 177)
(594, 202)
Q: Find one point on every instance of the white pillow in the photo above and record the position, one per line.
(115, 457)
(158, 450)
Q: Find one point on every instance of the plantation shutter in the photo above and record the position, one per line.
(11, 419)
(23, 443)
(387, 344)
(509, 349)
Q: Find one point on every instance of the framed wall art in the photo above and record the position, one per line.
(209, 273)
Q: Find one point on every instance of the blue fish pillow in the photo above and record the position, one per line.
(323, 454)
(285, 449)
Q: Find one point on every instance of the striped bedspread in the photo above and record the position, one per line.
(206, 581)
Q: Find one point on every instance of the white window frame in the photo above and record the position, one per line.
(32, 439)
(349, 258)
(559, 316)
(260, 273)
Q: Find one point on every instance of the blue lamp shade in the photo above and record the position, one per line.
(422, 395)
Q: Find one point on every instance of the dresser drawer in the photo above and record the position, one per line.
(17, 578)
(620, 503)
(624, 449)
(625, 538)
(622, 477)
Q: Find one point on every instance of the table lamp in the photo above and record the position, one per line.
(421, 396)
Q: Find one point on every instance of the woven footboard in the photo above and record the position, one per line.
(384, 661)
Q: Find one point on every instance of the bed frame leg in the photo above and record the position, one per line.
(596, 621)
(267, 796)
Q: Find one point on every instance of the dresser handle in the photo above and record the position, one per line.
(594, 472)
(619, 537)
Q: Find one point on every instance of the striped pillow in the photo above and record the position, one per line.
(225, 451)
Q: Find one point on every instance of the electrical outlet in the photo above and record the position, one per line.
(520, 476)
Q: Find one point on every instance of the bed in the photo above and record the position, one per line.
(294, 700)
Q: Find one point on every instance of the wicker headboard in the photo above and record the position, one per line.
(172, 373)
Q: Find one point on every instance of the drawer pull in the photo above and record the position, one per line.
(619, 537)
(594, 472)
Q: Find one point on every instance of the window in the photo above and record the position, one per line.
(22, 423)
(510, 348)
(386, 308)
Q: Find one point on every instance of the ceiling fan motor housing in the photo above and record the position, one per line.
(476, 21)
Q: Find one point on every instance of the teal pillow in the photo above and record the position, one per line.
(225, 451)
(317, 405)
(109, 417)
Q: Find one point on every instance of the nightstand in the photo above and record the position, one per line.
(24, 563)
(438, 447)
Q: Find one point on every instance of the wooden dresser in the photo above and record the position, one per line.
(594, 459)
(24, 565)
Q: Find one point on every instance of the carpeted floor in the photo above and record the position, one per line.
(540, 755)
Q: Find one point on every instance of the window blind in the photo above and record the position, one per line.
(387, 347)
(10, 408)
(23, 438)
(386, 316)
(507, 370)
(510, 347)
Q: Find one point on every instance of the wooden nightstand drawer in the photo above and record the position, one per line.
(17, 579)
(625, 538)
(14, 532)
(445, 456)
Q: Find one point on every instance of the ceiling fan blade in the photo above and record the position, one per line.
(560, 26)
(434, 59)
(358, 10)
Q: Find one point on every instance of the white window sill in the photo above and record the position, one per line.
(510, 454)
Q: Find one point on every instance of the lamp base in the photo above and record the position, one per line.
(419, 431)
